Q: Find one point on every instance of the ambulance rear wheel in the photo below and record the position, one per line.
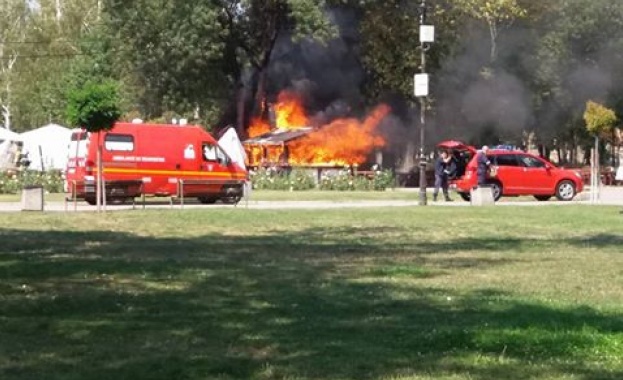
(207, 200)
(231, 200)
(119, 200)
(112, 200)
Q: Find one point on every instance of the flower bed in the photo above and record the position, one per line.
(12, 182)
(346, 179)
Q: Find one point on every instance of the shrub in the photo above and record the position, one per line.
(12, 182)
(345, 180)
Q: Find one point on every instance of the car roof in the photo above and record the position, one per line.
(508, 151)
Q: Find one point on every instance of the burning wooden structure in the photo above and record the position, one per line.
(272, 148)
(291, 142)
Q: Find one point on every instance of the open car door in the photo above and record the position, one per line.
(461, 153)
(456, 145)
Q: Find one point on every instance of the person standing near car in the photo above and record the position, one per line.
(482, 165)
(444, 167)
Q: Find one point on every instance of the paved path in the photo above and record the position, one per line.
(608, 196)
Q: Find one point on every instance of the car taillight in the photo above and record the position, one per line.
(89, 166)
(469, 172)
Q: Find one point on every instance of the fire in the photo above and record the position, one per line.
(341, 142)
(258, 127)
(344, 141)
(289, 114)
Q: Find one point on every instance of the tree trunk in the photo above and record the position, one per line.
(6, 116)
(58, 13)
(493, 31)
(260, 94)
(241, 114)
(262, 67)
(407, 163)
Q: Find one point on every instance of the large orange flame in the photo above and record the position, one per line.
(289, 114)
(258, 127)
(341, 142)
(345, 141)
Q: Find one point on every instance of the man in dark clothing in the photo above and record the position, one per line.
(444, 167)
(483, 165)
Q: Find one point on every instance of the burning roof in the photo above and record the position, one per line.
(279, 136)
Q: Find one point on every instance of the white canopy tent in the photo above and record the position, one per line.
(6, 135)
(47, 147)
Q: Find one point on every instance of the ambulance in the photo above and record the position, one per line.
(161, 160)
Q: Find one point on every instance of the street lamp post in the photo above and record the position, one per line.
(427, 35)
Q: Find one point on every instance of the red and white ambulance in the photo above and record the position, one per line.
(153, 160)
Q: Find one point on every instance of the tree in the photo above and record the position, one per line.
(52, 37)
(599, 119)
(577, 58)
(13, 14)
(497, 14)
(170, 54)
(254, 26)
(95, 106)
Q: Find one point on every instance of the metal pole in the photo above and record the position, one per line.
(422, 157)
(597, 171)
(98, 179)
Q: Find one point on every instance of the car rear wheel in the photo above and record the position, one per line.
(497, 190)
(542, 198)
(565, 190)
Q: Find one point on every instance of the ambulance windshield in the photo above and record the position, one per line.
(209, 152)
(78, 144)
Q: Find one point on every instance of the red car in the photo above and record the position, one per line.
(518, 173)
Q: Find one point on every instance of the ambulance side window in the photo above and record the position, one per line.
(119, 143)
(209, 152)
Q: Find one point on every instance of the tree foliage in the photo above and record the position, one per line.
(171, 54)
(497, 14)
(94, 106)
(599, 119)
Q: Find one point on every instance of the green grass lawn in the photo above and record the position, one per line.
(400, 293)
